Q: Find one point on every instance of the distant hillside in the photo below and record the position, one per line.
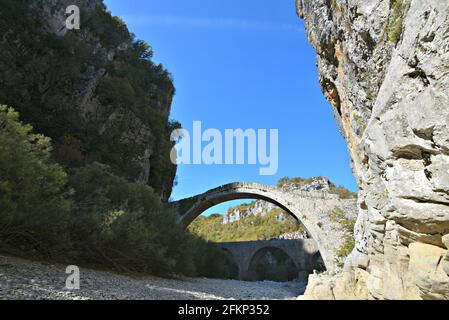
(249, 228)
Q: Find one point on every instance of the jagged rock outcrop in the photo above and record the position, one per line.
(94, 91)
(256, 208)
(383, 66)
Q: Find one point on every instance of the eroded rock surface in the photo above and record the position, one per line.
(384, 65)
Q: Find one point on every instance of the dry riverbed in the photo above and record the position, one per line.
(24, 279)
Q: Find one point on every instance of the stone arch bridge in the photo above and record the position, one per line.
(302, 252)
(313, 209)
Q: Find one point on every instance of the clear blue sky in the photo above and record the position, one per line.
(242, 64)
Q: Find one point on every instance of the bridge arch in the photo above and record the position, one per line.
(197, 205)
(311, 209)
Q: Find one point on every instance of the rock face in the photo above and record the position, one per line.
(383, 66)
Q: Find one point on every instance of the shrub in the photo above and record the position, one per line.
(115, 91)
(48, 78)
(70, 152)
(34, 210)
(113, 222)
(123, 225)
(342, 192)
(347, 225)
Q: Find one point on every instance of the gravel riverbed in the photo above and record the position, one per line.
(25, 279)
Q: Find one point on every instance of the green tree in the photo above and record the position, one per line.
(34, 210)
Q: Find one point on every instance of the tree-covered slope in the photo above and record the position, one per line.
(248, 228)
(260, 220)
(95, 91)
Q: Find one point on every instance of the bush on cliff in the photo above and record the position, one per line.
(298, 182)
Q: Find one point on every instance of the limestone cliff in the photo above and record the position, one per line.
(384, 66)
(94, 91)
